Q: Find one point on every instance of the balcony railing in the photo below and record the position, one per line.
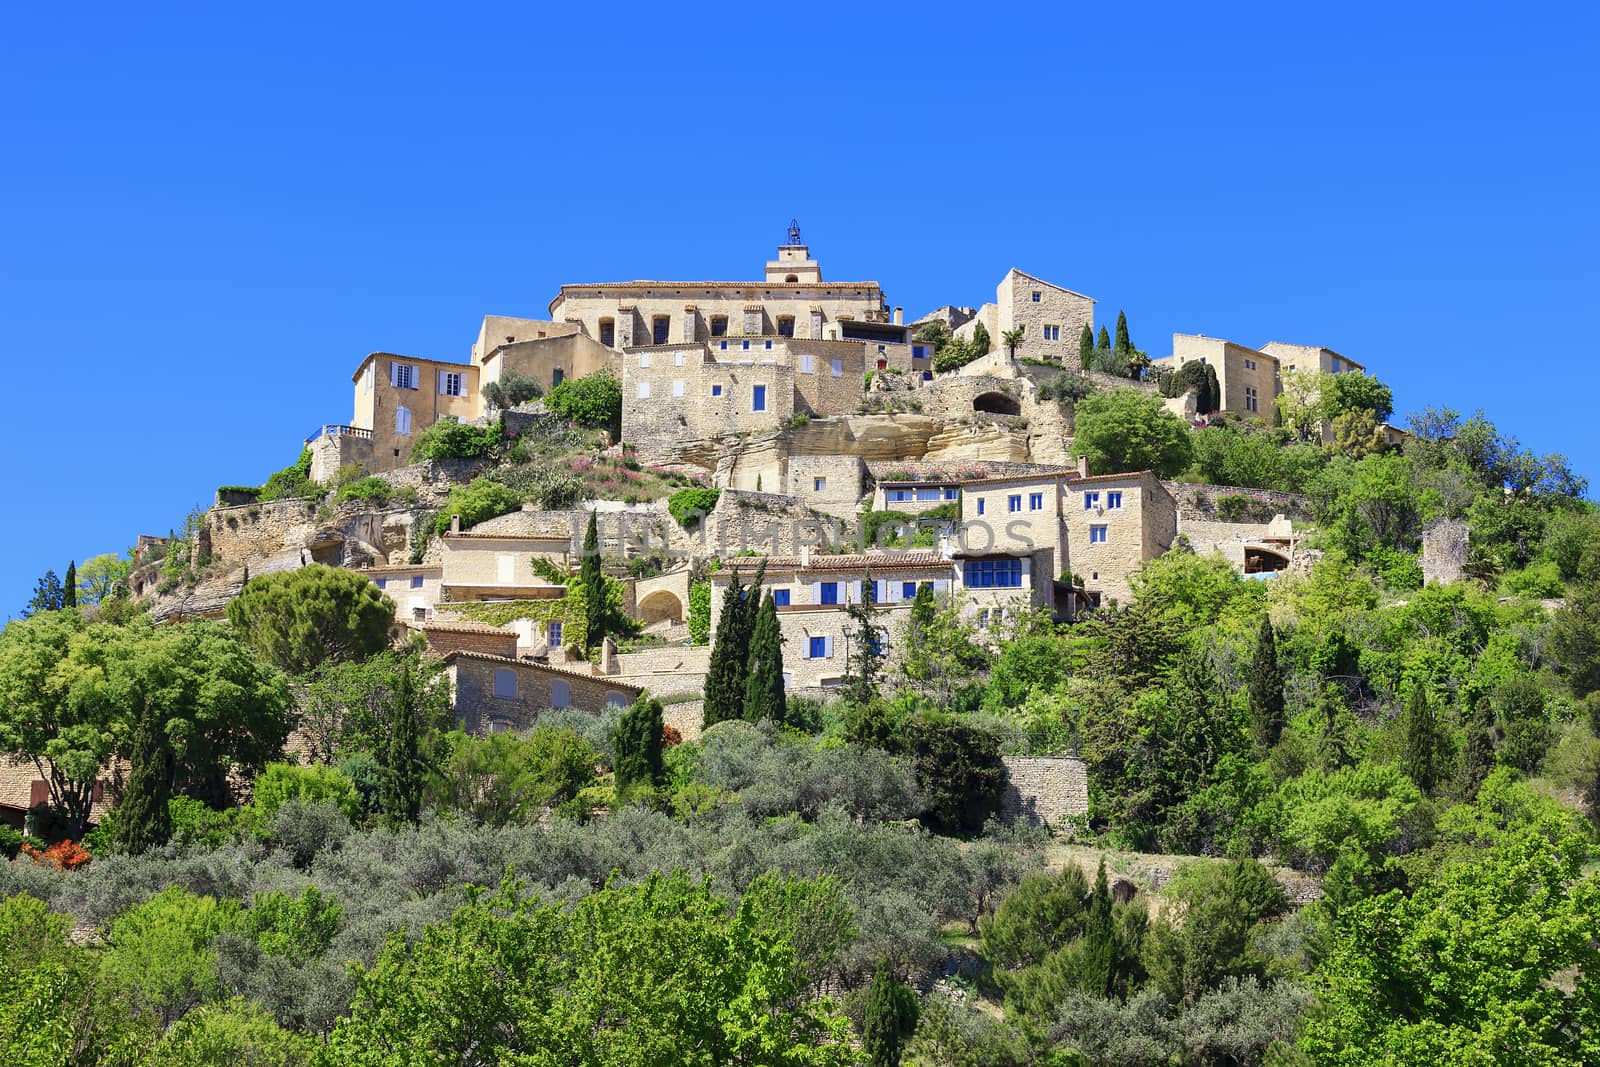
(336, 430)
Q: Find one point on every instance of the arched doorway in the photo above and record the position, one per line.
(996, 404)
(662, 605)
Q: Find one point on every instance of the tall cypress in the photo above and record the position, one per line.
(1105, 340)
(725, 677)
(143, 820)
(1421, 745)
(638, 745)
(1099, 940)
(1086, 348)
(594, 586)
(69, 588)
(1477, 755)
(401, 797)
(1124, 346)
(763, 692)
(891, 1018)
(1265, 687)
(1211, 394)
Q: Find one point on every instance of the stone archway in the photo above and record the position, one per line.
(662, 605)
(996, 403)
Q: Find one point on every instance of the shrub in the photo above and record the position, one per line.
(699, 612)
(1539, 580)
(371, 490)
(281, 782)
(1233, 507)
(449, 439)
(552, 485)
(292, 481)
(594, 401)
(689, 506)
(475, 502)
(512, 389)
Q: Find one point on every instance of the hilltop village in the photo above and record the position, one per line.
(789, 423)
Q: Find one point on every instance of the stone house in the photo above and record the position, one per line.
(1248, 377)
(1309, 357)
(831, 484)
(415, 589)
(396, 398)
(1050, 317)
(492, 694)
(493, 566)
(1115, 523)
(548, 360)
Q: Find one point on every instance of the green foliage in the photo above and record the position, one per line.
(280, 783)
(729, 670)
(1575, 630)
(374, 491)
(47, 596)
(1085, 347)
(590, 577)
(100, 576)
(301, 619)
(1421, 755)
(958, 769)
(292, 482)
(404, 768)
(690, 506)
(891, 1018)
(593, 401)
(159, 957)
(450, 439)
(143, 818)
(637, 745)
(1355, 391)
(237, 1032)
(1265, 688)
(764, 690)
(512, 389)
(699, 612)
(503, 779)
(1219, 905)
(477, 501)
(1125, 430)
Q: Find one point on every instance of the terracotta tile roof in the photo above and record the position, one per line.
(465, 536)
(467, 628)
(549, 667)
(909, 560)
(401, 568)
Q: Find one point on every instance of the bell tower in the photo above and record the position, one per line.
(794, 262)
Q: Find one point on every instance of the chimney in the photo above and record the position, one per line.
(1083, 466)
(805, 555)
(608, 657)
(899, 314)
(455, 524)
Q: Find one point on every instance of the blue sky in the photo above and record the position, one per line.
(211, 214)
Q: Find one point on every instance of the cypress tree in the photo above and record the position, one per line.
(724, 695)
(763, 692)
(143, 821)
(1210, 398)
(1124, 346)
(1265, 686)
(1477, 755)
(891, 1018)
(401, 797)
(1420, 754)
(1099, 940)
(638, 745)
(1086, 348)
(594, 586)
(1105, 340)
(980, 340)
(69, 588)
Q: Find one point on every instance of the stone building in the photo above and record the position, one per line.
(415, 589)
(396, 398)
(1309, 357)
(492, 694)
(1051, 317)
(492, 566)
(1248, 377)
(1115, 524)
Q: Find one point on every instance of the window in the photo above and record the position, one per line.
(416, 581)
(644, 360)
(769, 346)
(1114, 499)
(557, 376)
(560, 695)
(1052, 333)
(780, 598)
(644, 390)
(829, 593)
(818, 484)
(785, 325)
(1035, 501)
(402, 376)
(1249, 364)
(608, 333)
(745, 345)
(818, 648)
(908, 590)
(897, 496)
(927, 375)
(980, 505)
(402, 420)
(758, 398)
(928, 494)
(719, 326)
(659, 327)
(505, 684)
(677, 387)
(677, 359)
(951, 494)
(1037, 296)
(452, 383)
(1097, 534)
(1014, 502)
(555, 629)
(616, 700)
(919, 352)
(994, 573)
(1250, 400)
(805, 363)
(1091, 501)
(723, 346)
(883, 364)
(837, 369)
(383, 583)
(716, 390)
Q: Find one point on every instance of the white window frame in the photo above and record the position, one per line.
(1114, 500)
(452, 383)
(644, 390)
(806, 364)
(818, 484)
(1104, 532)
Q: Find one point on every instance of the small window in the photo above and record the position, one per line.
(608, 332)
(785, 326)
(1250, 398)
(769, 346)
(1091, 501)
(716, 390)
(780, 598)
(805, 363)
(616, 700)
(745, 345)
(1097, 534)
(919, 352)
(883, 364)
(383, 583)
(1014, 502)
(1035, 501)
(980, 505)
(659, 327)
(555, 629)
(1249, 364)
(837, 369)
(719, 326)
(416, 581)
(1114, 499)
(560, 695)
(644, 390)
(644, 360)
(722, 346)
(402, 420)
(818, 648)
(677, 359)
(829, 593)
(951, 494)
(451, 383)
(908, 590)
(758, 398)
(557, 376)
(1052, 333)
(818, 484)
(1037, 296)
(402, 376)
(677, 387)
(505, 684)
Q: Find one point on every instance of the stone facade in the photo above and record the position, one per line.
(665, 671)
(1044, 790)
(486, 566)
(447, 637)
(397, 397)
(1050, 317)
(1136, 519)
(492, 693)
(1445, 550)
(1248, 377)
(549, 360)
(833, 484)
(415, 589)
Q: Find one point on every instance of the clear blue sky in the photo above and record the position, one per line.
(211, 214)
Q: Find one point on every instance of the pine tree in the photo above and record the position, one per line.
(1420, 751)
(403, 769)
(1099, 940)
(638, 745)
(143, 820)
(1477, 754)
(1265, 687)
(47, 595)
(69, 588)
(1104, 344)
(594, 586)
(1086, 348)
(891, 1018)
(1123, 346)
(763, 694)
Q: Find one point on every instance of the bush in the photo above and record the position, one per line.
(1233, 507)
(476, 502)
(371, 490)
(689, 506)
(594, 401)
(449, 439)
(552, 485)
(699, 612)
(1539, 580)
(281, 782)
(512, 389)
(292, 481)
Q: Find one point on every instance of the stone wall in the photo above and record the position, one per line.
(1197, 500)
(688, 718)
(1044, 790)
(472, 682)
(249, 531)
(1444, 551)
(841, 483)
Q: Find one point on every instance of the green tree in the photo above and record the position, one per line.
(959, 772)
(637, 745)
(99, 576)
(1213, 395)
(1355, 391)
(477, 501)
(1099, 936)
(238, 1032)
(1575, 630)
(1104, 342)
(1125, 430)
(500, 780)
(1122, 346)
(1220, 905)
(69, 588)
(158, 955)
(980, 340)
(1477, 754)
(728, 673)
(1086, 348)
(451, 439)
(301, 619)
(512, 389)
(764, 694)
(593, 401)
(1420, 754)
(1265, 688)
(590, 575)
(867, 652)
(891, 1018)
(404, 768)
(1011, 339)
(143, 820)
(47, 596)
